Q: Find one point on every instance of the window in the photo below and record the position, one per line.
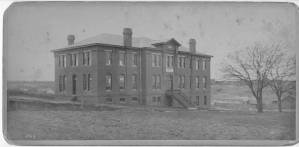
(156, 82)
(156, 60)
(190, 82)
(86, 81)
(74, 59)
(122, 99)
(169, 81)
(154, 99)
(169, 61)
(62, 60)
(89, 81)
(59, 61)
(134, 99)
(159, 100)
(62, 81)
(134, 59)
(197, 66)
(205, 100)
(182, 81)
(108, 57)
(204, 64)
(86, 58)
(197, 100)
(74, 81)
(122, 81)
(108, 99)
(122, 58)
(197, 82)
(108, 82)
(204, 81)
(181, 62)
(134, 83)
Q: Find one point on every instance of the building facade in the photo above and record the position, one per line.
(158, 74)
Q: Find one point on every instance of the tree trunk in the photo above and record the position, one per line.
(259, 104)
(279, 104)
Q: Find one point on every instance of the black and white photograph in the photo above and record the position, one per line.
(150, 73)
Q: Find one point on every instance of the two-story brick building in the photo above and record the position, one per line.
(133, 70)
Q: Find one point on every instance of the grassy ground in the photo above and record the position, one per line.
(147, 123)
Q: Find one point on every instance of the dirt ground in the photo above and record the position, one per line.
(150, 123)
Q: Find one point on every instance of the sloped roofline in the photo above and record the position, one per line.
(164, 42)
(119, 46)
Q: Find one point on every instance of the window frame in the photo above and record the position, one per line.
(169, 61)
(86, 58)
(134, 81)
(89, 79)
(122, 85)
(122, 100)
(62, 60)
(204, 64)
(197, 100)
(134, 59)
(156, 59)
(122, 54)
(84, 82)
(204, 81)
(108, 57)
(197, 82)
(156, 82)
(108, 77)
(205, 100)
(74, 59)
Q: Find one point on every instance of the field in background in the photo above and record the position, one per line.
(224, 95)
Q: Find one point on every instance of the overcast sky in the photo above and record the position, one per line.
(32, 30)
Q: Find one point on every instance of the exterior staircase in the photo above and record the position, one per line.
(181, 98)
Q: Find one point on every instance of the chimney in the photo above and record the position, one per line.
(70, 39)
(192, 45)
(127, 35)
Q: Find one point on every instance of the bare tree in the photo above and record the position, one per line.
(281, 76)
(252, 66)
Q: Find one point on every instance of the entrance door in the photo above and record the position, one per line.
(169, 101)
(74, 79)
